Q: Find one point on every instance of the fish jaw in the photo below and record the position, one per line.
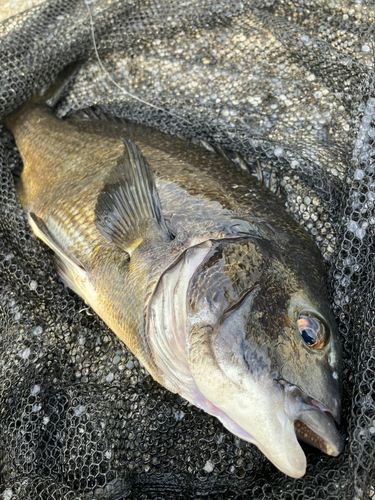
(268, 413)
(252, 409)
(313, 422)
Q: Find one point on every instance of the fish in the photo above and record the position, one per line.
(196, 266)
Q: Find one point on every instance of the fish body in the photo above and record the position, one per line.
(197, 268)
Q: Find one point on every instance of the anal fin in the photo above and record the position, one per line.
(128, 210)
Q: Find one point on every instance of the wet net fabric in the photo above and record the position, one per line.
(286, 89)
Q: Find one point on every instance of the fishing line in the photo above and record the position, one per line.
(87, 3)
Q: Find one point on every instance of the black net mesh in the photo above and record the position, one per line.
(282, 87)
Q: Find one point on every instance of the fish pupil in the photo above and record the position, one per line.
(308, 336)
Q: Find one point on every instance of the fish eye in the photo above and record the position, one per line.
(313, 332)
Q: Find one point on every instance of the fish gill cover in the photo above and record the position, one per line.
(285, 87)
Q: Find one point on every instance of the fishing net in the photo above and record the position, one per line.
(286, 89)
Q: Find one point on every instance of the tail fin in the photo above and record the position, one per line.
(51, 93)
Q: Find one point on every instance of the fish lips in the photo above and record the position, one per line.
(313, 423)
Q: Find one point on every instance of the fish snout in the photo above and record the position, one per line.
(313, 422)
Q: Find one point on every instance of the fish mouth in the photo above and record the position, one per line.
(313, 422)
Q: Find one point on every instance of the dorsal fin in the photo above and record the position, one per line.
(96, 113)
(128, 210)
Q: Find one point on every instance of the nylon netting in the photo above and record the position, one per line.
(285, 87)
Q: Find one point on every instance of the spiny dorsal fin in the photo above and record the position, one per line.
(96, 113)
(128, 210)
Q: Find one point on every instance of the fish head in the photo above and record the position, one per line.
(263, 349)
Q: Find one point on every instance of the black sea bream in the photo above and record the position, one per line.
(196, 267)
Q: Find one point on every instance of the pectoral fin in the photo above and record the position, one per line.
(128, 210)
